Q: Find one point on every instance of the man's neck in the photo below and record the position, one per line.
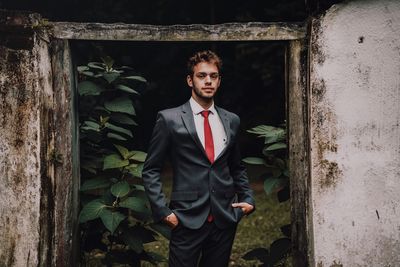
(205, 103)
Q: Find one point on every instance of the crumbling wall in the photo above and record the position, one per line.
(355, 134)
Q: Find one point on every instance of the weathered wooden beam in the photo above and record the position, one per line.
(299, 150)
(253, 31)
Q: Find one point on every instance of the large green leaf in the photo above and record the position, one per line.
(136, 236)
(88, 73)
(278, 250)
(82, 68)
(116, 136)
(122, 118)
(272, 184)
(91, 210)
(121, 104)
(91, 125)
(110, 76)
(111, 219)
(137, 78)
(126, 89)
(276, 146)
(96, 65)
(262, 129)
(136, 170)
(123, 151)
(118, 129)
(95, 183)
(254, 160)
(270, 133)
(134, 203)
(260, 254)
(120, 189)
(138, 155)
(114, 161)
(89, 88)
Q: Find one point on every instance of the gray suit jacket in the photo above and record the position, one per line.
(198, 186)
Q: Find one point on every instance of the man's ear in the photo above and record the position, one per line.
(189, 80)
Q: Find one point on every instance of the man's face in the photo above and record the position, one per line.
(205, 80)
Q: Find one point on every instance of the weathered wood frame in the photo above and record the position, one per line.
(59, 34)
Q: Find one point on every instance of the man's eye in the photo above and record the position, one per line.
(201, 75)
(214, 76)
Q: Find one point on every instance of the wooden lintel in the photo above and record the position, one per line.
(252, 31)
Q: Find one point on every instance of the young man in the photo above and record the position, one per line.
(210, 191)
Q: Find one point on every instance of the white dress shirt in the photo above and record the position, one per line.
(217, 128)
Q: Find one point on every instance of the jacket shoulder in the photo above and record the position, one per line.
(170, 113)
(232, 116)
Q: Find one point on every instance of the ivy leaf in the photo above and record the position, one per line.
(95, 183)
(111, 219)
(118, 129)
(254, 160)
(121, 104)
(137, 78)
(135, 204)
(126, 89)
(138, 155)
(91, 210)
(89, 88)
(120, 189)
(114, 161)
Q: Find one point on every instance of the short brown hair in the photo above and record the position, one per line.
(203, 56)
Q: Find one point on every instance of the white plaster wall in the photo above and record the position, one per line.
(355, 134)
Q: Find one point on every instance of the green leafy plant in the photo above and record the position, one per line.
(276, 180)
(115, 217)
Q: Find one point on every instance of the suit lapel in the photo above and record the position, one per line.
(227, 126)
(188, 121)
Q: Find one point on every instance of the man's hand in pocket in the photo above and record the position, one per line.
(171, 220)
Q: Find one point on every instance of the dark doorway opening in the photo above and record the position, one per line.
(253, 87)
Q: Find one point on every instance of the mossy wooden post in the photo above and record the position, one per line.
(37, 186)
(299, 151)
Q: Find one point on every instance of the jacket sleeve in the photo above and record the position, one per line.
(156, 154)
(239, 173)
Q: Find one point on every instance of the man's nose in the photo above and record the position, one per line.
(208, 79)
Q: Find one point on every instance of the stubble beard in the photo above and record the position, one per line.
(201, 95)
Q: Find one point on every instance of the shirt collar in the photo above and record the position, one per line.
(196, 108)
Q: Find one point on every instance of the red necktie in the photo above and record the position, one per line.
(209, 145)
(208, 139)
